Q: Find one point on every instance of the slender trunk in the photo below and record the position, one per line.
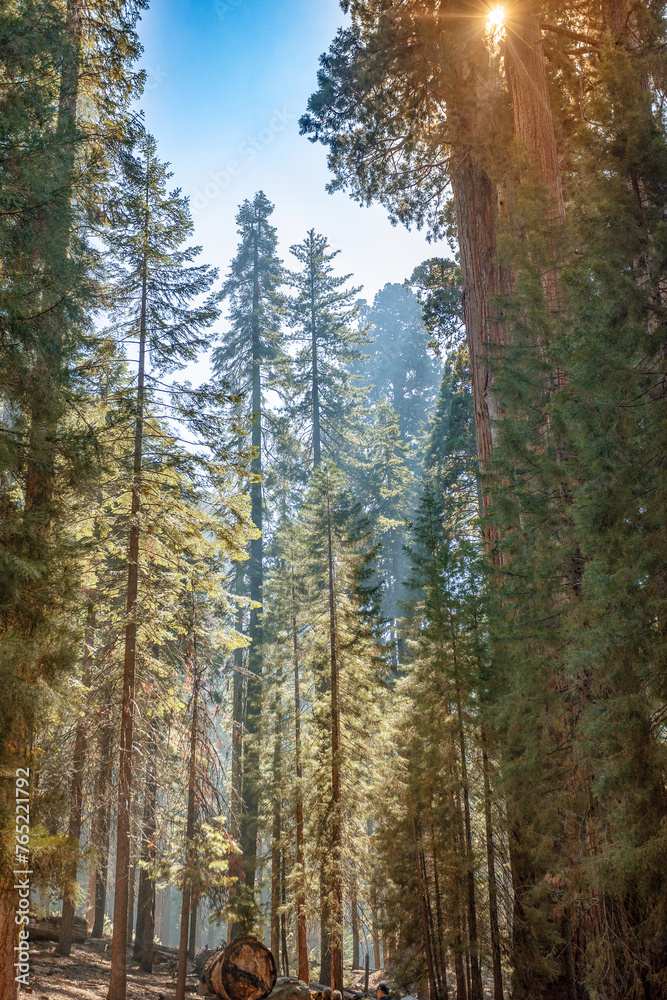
(118, 973)
(276, 834)
(421, 891)
(325, 929)
(375, 928)
(354, 911)
(493, 888)
(149, 931)
(64, 945)
(457, 893)
(441, 951)
(283, 915)
(101, 829)
(146, 896)
(236, 789)
(475, 973)
(130, 899)
(189, 838)
(301, 926)
(194, 913)
(337, 817)
(142, 902)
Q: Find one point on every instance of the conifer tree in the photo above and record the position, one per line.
(250, 358)
(156, 283)
(397, 366)
(324, 315)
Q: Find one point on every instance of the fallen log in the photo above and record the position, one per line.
(49, 929)
(244, 970)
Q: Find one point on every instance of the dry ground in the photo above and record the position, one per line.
(85, 976)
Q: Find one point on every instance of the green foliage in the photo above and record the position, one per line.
(324, 317)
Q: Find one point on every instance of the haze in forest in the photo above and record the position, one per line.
(333, 604)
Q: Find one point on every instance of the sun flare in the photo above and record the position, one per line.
(495, 18)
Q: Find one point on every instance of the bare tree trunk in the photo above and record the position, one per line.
(194, 913)
(64, 945)
(301, 926)
(283, 915)
(101, 828)
(146, 894)
(375, 928)
(325, 930)
(493, 888)
(475, 973)
(236, 787)
(354, 911)
(457, 893)
(276, 828)
(130, 900)
(337, 817)
(422, 892)
(189, 837)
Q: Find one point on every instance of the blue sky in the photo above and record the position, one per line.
(227, 82)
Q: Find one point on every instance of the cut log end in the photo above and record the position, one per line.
(244, 970)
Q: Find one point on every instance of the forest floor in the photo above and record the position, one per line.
(85, 976)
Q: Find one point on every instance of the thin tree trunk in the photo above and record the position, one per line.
(325, 929)
(101, 829)
(275, 840)
(145, 928)
(236, 790)
(354, 911)
(150, 833)
(118, 973)
(283, 915)
(301, 925)
(189, 837)
(337, 817)
(493, 888)
(375, 929)
(475, 973)
(441, 950)
(149, 931)
(64, 945)
(421, 890)
(130, 900)
(456, 837)
(194, 913)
